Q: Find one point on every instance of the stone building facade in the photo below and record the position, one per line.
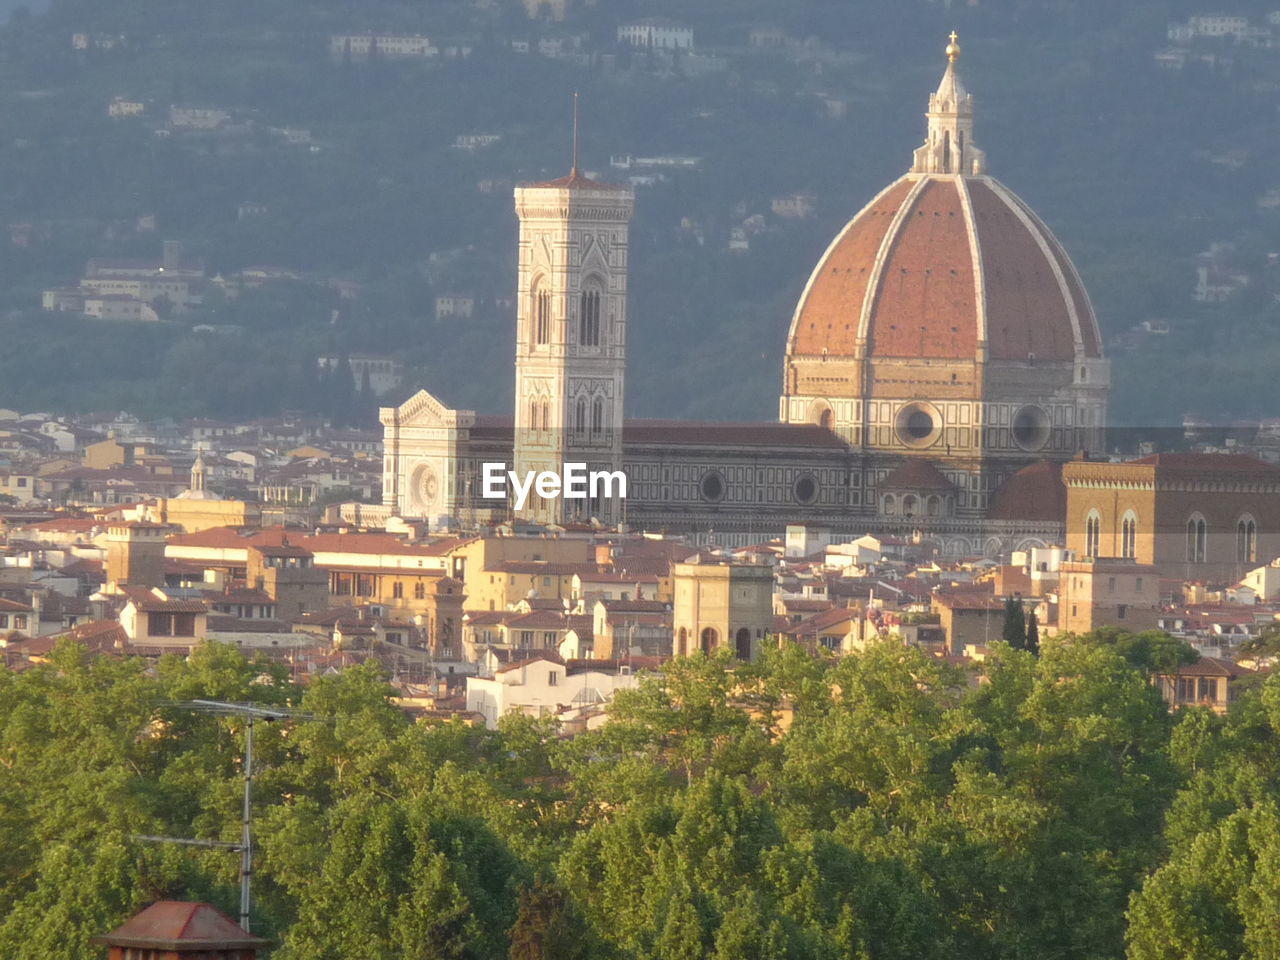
(1193, 516)
(942, 363)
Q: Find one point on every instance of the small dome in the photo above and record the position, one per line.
(1035, 492)
(916, 474)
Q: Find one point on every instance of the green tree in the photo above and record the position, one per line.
(1033, 632)
(1014, 631)
(685, 716)
(1152, 651)
(546, 926)
(1265, 645)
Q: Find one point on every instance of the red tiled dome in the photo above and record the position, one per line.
(1035, 492)
(937, 266)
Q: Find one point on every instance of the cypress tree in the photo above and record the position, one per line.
(1033, 632)
(1015, 626)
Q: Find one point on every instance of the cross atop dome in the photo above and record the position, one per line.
(949, 146)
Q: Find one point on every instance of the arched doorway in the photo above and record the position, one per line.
(709, 639)
(742, 644)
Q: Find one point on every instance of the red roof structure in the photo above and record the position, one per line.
(916, 474)
(187, 930)
(1035, 492)
(1210, 463)
(931, 268)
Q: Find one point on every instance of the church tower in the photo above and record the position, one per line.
(571, 335)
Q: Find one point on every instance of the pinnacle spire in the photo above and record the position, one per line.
(573, 169)
(949, 146)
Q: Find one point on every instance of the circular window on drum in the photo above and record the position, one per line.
(711, 486)
(805, 489)
(918, 425)
(1031, 427)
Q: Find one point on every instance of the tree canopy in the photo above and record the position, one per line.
(880, 805)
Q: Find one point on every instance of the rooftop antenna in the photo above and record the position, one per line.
(573, 170)
(249, 712)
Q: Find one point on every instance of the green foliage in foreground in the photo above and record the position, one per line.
(882, 806)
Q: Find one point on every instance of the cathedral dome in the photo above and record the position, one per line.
(946, 264)
(945, 267)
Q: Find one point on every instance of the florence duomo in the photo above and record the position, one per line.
(356, 604)
(942, 363)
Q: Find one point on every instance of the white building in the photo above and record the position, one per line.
(656, 33)
(384, 373)
(455, 305)
(197, 118)
(1264, 581)
(475, 141)
(863, 552)
(542, 687)
(1218, 25)
(122, 107)
(364, 46)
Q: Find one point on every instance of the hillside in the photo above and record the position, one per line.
(353, 180)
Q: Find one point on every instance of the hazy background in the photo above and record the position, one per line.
(1137, 167)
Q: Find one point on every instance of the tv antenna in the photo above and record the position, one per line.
(250, 712)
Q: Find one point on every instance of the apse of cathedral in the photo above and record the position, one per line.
(942, 363)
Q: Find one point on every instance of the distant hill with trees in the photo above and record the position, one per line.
(1136, 167)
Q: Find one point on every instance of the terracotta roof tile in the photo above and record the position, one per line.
(828, 316)
(574, 181)
(916, 473)
(729, 434)
(1035, 492)
(1210, 462)
(1026, 306)
(925, 299)
(173, 925)
(926, 304)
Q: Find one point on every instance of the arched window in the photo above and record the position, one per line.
(597, 416)
(742, 644)
(580, 424)
(910, 505)
(889, 505)
(589, 318)
(1247, 540)
(935, 506)
(1092, 534)
(535, 415)
(1129, 536)
(541, 315)
(683, 649)
(1196, 536)
(709, 639)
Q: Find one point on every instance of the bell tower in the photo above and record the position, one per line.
(571, 335)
